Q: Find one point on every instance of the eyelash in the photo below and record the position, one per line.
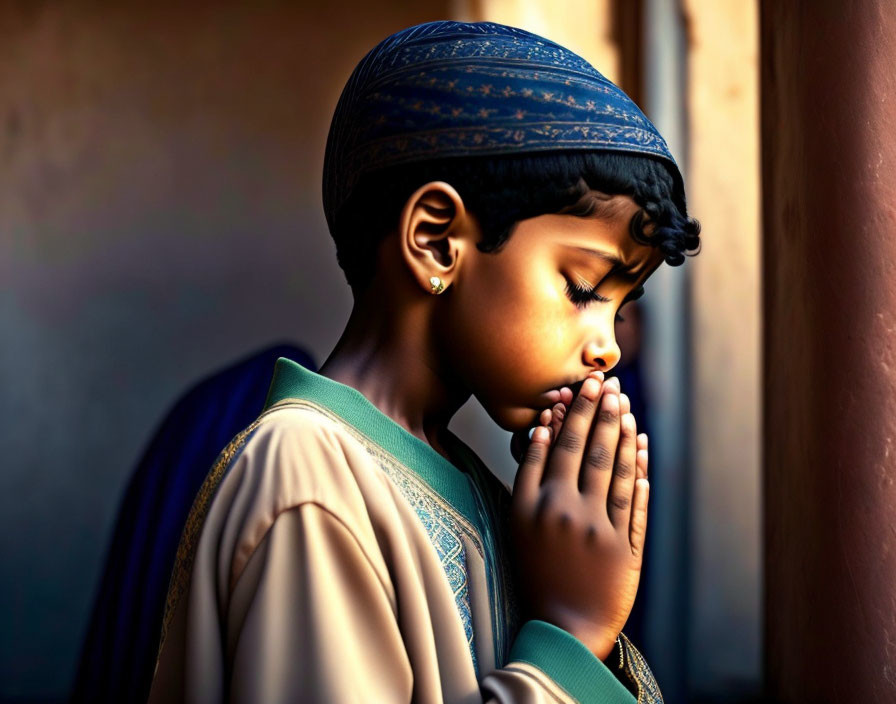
(583, 296)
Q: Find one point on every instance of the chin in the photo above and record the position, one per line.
(513, 418)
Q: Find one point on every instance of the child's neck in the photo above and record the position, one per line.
(390, 357)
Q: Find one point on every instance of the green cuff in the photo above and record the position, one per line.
(566, 660)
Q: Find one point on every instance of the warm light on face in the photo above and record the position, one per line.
(541, 312)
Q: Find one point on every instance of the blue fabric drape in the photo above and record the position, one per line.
(119, 651)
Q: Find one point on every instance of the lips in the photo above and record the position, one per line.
(554, 394)
(575, 386)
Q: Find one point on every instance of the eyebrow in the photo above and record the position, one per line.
(627, 272)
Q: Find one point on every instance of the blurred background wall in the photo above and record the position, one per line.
(160, 217)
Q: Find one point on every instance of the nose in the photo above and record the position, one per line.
(602, 352)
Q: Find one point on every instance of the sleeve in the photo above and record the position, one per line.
(311, 619)
(547, 664)
(552, 662)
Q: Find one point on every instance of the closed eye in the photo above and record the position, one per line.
(582, 296)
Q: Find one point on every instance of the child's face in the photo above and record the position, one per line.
(515, 333)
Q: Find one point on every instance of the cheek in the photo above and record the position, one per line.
(513, 331)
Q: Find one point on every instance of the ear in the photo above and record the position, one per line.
(434, 231)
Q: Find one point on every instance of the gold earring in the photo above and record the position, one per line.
(437, 285)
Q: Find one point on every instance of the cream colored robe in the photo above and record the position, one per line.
(333, 557)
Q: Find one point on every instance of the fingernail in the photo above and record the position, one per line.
(531, 432)
(628, 422)
(541, 434)
(613, 383)
(590, 388)
(611, 403)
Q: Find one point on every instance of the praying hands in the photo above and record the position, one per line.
(580, 514)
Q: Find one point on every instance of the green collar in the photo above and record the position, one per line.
(292, 380)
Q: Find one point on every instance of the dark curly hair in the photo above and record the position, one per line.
(501, 191)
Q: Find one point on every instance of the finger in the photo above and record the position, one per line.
(528, 477)
(566, 396)
(558, 413)
(566, 456)
(641, 464)
(597, 468)
(637, 531)
(625, 405)
(519, 441)
(619, 502)
(613, 385)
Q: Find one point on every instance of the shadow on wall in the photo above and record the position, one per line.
(160, 204)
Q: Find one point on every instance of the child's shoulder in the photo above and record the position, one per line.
(295, 456)
(301, 452)
(299, 425)
(297, 462)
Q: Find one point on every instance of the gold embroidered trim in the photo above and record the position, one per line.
(637, 670)
(189, 539)
(387, 460)
(186, 551)
(444, 525)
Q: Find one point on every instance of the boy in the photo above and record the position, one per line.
(494, 201)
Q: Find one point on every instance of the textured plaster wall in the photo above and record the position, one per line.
(159, 216)
(723, 193)
(584, 26)
(829, 166)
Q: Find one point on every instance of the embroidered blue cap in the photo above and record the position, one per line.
(451, 89)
